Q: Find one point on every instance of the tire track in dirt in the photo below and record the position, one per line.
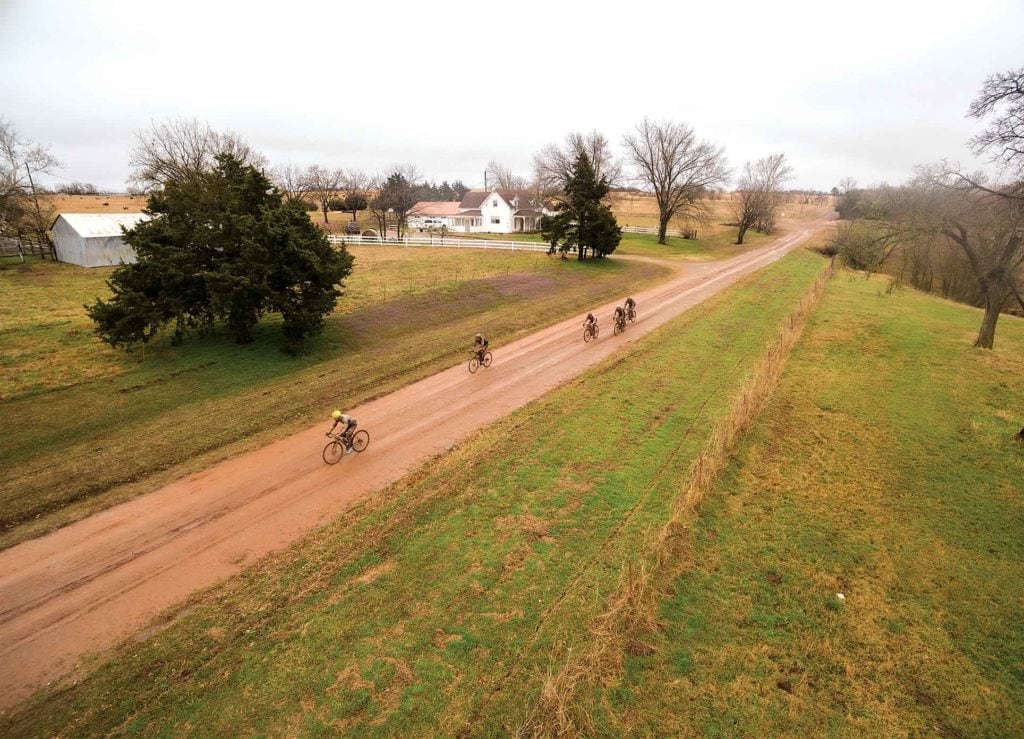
(83, 588)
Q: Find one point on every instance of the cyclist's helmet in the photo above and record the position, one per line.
(336, 415)
(478, 337)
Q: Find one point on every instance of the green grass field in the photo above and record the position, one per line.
(883, 469)
(86, 426)
(438, 605)
(721, 245)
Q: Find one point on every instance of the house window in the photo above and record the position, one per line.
(495, 221)
(494, 203)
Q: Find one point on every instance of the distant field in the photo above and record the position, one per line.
(635, 209)
(124, 425)
(119, 203)
(438, 606)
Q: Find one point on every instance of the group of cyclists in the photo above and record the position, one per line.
(348, 424)
(481, 346)
(622, 313)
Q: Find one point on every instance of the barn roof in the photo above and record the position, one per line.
(100, 224)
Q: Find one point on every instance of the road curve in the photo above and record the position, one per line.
(85, 587)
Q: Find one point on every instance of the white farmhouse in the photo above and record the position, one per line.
(94, 239)
(488, 211)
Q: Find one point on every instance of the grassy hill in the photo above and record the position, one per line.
(883, 469)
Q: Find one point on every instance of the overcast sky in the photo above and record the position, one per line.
(861, 88)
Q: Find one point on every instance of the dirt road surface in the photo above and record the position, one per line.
(87, 586)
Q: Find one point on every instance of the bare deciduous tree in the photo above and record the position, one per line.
(357, 182)
(675, 166)
(358, 187)
(847, 185)
(324, 185)
(501, 177)
(291, 180)
(989, 229)
(397, 191)
(1001, 99)
(181, 148)
(940, 216)
(759, 194)
(552, 165)
(21, 161)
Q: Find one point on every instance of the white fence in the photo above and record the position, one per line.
(646, 230)
(438, 241)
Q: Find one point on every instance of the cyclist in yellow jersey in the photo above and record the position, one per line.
(349, 423)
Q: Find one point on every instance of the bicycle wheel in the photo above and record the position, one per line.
(487, 359)
(617, 330)
(632, 316)
(587, 335)
(333, 452)
(474, 364)
(360, 440)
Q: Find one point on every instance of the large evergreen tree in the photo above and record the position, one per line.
(222, 245)
(582, 220)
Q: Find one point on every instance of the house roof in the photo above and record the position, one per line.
(470, 212)
(100, 224)
(435, 208)
(528, 212)
(476, 198)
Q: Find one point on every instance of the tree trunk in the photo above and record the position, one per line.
(742, 233)
(325, 213)
(662, 227)
(987, 334)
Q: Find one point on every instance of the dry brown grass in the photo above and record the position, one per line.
(630, 619)
(116, 203)
(637, 209)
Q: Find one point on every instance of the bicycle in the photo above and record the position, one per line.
(476, 361)
(341, 444)
(620, 324)
(631, 315)
(590, 331)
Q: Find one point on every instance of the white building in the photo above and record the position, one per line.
(488, 211)
(94, 239)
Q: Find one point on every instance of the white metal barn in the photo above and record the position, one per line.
(94, 239)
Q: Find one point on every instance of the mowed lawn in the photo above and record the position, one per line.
(85, 426)
(721, 245)
(884, 469)
(438, 605)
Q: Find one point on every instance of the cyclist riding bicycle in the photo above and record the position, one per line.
(619, 316)
(630, 307)
(349, 426)
(480, 346)
(590, 322)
